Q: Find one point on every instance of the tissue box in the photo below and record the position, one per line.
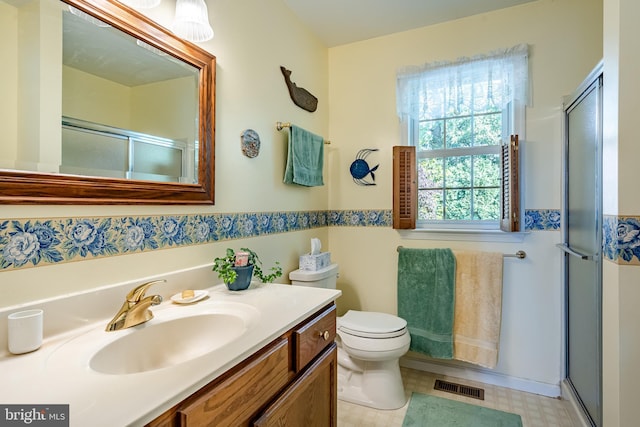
(309, 262)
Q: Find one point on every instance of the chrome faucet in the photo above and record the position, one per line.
(135, 309)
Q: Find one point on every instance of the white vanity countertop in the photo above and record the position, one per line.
(97, 399)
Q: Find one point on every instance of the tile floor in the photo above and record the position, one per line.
(535, 410)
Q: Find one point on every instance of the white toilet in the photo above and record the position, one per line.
(369, 347)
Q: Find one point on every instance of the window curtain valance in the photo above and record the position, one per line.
(465, 86)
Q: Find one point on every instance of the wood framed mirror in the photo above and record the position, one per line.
(37, 137)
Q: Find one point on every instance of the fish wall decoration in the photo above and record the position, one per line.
(300, 96)
(360, 168)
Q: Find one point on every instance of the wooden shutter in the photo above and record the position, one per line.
(510, 186)
(405, 187)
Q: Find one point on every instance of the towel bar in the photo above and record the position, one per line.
(282, 125)
(518, 254)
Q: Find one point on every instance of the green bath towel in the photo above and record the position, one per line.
(426, 298)
(305, 158)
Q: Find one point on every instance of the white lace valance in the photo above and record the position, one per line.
(466, 86)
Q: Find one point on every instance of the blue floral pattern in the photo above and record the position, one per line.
(32, 243)
(541, 219)
(361, 218)
(91, 236)
(29, 244)
(35, 243)
(136, 234)
(228, 226)
(621, 239)
(172, 231)
(204, 227)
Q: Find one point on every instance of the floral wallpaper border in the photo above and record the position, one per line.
(621, 239)
(35, 242)
(535, 219)
(39, 242)
(542, 219)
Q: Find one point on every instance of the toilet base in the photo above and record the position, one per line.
(374, 384)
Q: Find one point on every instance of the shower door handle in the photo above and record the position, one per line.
(567, 249)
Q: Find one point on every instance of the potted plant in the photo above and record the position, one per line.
(237, 268)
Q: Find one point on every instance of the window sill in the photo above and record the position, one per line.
(463, 235)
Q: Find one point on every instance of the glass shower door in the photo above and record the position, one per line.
(582, 248)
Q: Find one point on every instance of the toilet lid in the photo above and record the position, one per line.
(372, 324)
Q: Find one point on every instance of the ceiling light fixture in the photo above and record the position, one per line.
(191, 21)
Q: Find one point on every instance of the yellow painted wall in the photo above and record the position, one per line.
(33, 84)
(94, 99)
(166, 108)
(621, 293)
(565, 39)
(8, 75)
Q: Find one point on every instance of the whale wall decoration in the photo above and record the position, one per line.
(300, 96)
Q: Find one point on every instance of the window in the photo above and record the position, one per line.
(458, 117)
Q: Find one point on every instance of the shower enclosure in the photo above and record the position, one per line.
(582, 244)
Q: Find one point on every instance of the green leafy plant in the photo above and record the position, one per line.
(224, 266)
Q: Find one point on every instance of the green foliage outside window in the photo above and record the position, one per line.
(456, 183)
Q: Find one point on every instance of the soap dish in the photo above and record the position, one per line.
(197, 296)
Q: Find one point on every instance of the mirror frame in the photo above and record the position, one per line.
(21, 187)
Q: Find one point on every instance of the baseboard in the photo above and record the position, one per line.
(579, 416)
(482, 375)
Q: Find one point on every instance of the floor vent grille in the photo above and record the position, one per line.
(463, 390)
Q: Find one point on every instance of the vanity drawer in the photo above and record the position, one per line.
(314, 336)
(237, 399)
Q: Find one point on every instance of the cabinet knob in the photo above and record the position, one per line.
(324, 335)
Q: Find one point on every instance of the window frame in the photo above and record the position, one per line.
(413, 139)
(513, 121)
(419, 89)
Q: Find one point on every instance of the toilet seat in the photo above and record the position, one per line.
(367, 324)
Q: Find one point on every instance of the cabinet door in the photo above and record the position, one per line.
(311, 400)
(168, 419)
(236, 400)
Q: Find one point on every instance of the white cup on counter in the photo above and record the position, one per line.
(25, 331)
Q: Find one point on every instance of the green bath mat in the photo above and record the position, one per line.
(432, 411)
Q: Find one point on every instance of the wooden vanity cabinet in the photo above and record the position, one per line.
(292, 381)
(311, 400)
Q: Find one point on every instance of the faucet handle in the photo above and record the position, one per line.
(137, 293)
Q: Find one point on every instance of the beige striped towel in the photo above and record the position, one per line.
(478, 307)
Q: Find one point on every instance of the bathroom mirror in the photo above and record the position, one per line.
(103, 106)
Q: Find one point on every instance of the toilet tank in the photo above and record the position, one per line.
(323, 278)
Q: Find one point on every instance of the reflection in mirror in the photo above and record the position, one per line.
(98, 150)
(104, 97)
(145, 121)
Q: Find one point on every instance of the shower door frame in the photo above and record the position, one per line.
(594, 81)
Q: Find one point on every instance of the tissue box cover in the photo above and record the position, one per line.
(310, 262)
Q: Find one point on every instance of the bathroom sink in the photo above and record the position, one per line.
(171, 338)
(168, 343)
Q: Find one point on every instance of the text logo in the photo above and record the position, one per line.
(34, 415)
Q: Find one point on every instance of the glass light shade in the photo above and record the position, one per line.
(141, 4)
(192, 21)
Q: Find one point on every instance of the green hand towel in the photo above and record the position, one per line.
(305, 158)
(426, 298)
